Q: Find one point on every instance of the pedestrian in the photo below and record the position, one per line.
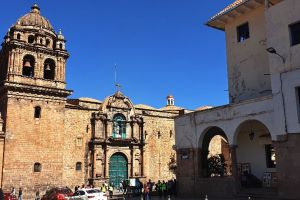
(164, 189)
(37, 195)
(120, 186)
(159, 188)
(1, 194)
(124, 186)
(146, 191)
(20, 194)
(103, 188)
(13, 191)
(110, 191)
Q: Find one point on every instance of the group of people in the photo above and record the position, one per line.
(20, 193)
(161, 188)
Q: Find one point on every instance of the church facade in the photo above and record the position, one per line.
(50, 140)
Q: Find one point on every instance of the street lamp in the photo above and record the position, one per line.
(273, 51)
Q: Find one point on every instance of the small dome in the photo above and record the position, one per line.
(60, 35)
(34, 18)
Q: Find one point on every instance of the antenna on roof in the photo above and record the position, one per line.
(118, 86)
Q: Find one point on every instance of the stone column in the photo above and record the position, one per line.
(198, 164)
(105, 163)
(131, 160)
(2, 148)
(235, 174)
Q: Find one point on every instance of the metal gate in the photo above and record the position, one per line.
(118, 169)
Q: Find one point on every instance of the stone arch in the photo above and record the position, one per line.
(205, 139)
(239, 127)
(255, 152)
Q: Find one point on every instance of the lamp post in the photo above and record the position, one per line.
(273, 51)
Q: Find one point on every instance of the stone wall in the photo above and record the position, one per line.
(31, 140)
(287, 164)
(160, 139)
(77, 135)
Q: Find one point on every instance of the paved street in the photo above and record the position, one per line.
(118, 196)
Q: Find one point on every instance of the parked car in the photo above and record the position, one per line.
(58, 193)
(88, 194)
(9, 196)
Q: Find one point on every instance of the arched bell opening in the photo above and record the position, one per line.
(28, 66)
(49, 69)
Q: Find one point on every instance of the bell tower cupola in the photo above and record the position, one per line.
(170, 100)
(33, 54)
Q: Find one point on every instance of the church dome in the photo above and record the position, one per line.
(35, 19)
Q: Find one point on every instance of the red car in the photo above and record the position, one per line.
(9, 196)
(57, 193)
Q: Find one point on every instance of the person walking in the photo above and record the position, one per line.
(37, 195)
(1, 194)
(20, 194)
(13, 191)
(146, 191)
(110, 191)
(164, 189)
(159, 188)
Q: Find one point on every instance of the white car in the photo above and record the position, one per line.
(88, 194)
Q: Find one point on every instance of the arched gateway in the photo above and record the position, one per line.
(118, 169)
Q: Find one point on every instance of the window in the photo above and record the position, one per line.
(119, 126)
(18, 36)
(78, 166)
(243, 32)
(37, 167)
(295, 33)
(60, 45)
(41, 41)
(270, 156)
(47, 42)
(79, 141)
(37, 112)
(298, 102)
(30, 39)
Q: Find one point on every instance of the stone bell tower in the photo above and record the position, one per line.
(32, 102)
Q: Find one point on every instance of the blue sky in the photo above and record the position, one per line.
(160, 47)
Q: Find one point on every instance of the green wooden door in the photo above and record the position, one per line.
(118, 169)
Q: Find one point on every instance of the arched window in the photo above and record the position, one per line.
(41, 41)
(37, 112)
(18, 36)
(28, 66)
(119, 126)
(78, 166)
(30, 39)
(37, 167)
(49, 69)
(47, 42)
(60, 45)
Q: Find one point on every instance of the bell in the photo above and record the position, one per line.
(47, 68)
(27, 64)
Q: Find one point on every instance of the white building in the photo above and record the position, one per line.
(262, 121)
